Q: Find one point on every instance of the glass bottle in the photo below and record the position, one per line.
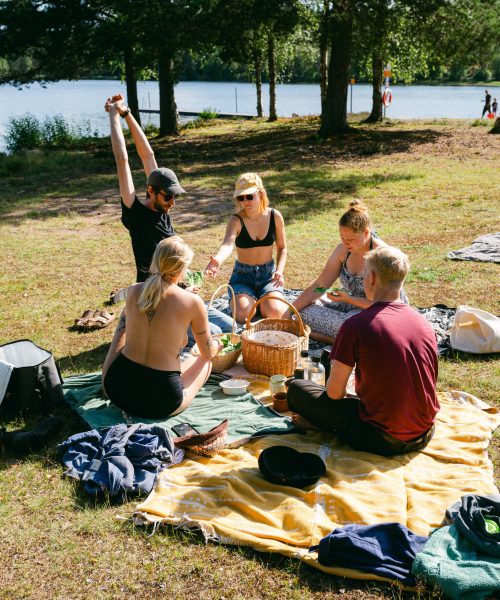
(305, 363)
(298, 373)
(317, 371)
(277, 384)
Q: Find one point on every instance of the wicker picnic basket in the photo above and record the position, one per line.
(222, 362)
(268, 359)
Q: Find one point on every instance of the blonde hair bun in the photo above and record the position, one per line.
(358, 206)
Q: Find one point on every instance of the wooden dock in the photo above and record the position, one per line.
(192, 113)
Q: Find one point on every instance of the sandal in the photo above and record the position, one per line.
(81, 321)
(117, 296)
(101, 319)
(94, 319)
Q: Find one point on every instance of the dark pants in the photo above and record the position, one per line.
(341, 417)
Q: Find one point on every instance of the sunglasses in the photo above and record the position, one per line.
(167, 197)
(245, 197)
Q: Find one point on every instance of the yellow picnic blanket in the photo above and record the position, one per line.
(230, 502)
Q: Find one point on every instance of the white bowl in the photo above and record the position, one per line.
(234, 387)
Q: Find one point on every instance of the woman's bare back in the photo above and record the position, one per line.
(156, 339)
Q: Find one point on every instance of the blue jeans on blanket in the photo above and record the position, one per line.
(219, 323)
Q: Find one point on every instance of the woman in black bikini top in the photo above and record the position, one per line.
(255, 230)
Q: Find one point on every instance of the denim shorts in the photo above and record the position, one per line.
(253, 280)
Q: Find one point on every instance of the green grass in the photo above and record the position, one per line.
(430, 188)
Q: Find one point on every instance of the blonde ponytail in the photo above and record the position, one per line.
(171, 257)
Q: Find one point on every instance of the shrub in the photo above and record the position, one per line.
(56, 131)
(27, 132)
(23, 132)
(208, 113)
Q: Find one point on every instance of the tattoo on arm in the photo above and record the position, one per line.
(209, 341)
(121, 323)
(201, 332)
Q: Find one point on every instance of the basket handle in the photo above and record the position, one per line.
(231, 299)
(291, 306)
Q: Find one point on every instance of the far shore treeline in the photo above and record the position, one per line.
(274, 41)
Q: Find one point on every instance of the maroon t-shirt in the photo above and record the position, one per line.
(395, 353)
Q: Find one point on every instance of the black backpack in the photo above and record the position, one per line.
(34, 385)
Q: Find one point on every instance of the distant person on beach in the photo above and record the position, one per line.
(147, 220)
(494, 107)
(487, 103)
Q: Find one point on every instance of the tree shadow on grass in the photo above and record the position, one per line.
(84, 362)
(289, 148)
(307, 576)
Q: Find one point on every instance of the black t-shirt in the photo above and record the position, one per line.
(147, 228)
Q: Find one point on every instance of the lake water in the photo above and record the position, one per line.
(84, 100)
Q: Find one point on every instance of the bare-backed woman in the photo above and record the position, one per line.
(143, 373)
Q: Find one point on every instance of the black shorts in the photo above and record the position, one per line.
(143, 391)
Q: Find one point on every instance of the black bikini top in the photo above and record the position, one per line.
(245, 241)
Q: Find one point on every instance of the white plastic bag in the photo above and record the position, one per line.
(475, 331)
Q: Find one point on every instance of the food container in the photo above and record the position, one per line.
(280, 402)
(277, 384)
(234, 387)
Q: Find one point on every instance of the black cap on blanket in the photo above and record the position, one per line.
(285, 466)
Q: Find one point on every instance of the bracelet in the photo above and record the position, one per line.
(125, 114)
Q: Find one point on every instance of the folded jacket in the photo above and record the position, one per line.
(387, 549)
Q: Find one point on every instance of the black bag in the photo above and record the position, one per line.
(35, 384)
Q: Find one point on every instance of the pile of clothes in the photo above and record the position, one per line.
(463, 557)
(119, 462)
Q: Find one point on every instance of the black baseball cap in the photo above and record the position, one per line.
(166, 180)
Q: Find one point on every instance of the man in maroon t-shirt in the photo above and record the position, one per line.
(393, 350)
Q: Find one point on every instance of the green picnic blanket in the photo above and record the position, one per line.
(248, 418)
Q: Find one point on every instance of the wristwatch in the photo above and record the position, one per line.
(125, 114)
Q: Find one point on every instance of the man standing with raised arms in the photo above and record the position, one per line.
(393, 350)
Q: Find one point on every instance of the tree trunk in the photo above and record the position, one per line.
(131, 82)
(272, 78)
(168, 108)
(496, 126)
(323, 55)
(258, 80)
(377, 77)
(334, 117)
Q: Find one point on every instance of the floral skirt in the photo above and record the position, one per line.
(326, 317)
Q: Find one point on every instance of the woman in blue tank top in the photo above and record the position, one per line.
(254, 229)
(325, 313)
